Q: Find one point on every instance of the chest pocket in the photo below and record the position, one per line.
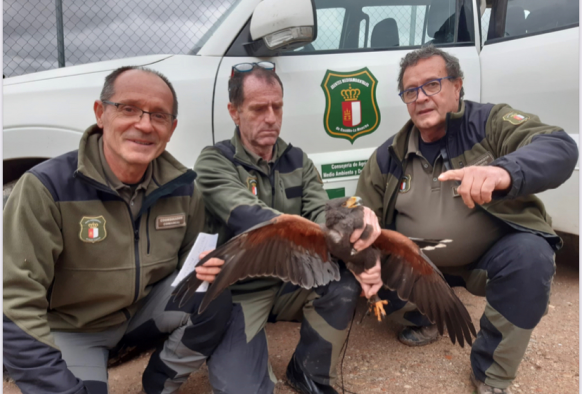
(290, 194)
(294, 192)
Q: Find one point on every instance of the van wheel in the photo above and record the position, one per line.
(6, 190)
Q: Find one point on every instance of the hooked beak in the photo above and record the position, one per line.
(353, 202)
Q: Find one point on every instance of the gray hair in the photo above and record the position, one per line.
(236, 83)
(451, 62)
(108, 88)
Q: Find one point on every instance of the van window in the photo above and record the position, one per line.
(547, 16)
(528, 17)
(348, 25)
(329, 28)
(396, 26)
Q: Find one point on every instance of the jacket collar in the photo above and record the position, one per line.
(165, 168)
(242, 155)
(453, 122)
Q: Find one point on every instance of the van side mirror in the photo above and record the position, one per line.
(284, 24)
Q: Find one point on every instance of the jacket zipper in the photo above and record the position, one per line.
(148, 229)
(392, 153)
(184, 179)
(136, 251)
(272, 180)
(445, 149)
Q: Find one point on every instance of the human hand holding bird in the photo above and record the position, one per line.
(362, 238)
(210, 269)
(299, 251)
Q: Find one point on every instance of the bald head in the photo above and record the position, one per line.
(109, 87)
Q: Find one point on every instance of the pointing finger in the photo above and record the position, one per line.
(456, 175)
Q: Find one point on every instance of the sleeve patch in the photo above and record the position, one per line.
(515, 118)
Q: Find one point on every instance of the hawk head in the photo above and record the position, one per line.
(347, 210)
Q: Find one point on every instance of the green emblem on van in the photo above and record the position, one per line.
(351, 110)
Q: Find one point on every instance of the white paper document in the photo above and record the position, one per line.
(203, 242)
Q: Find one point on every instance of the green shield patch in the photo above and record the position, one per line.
(515, 118)
(351, 110)
(252, 185)
(92, 229)
(405, 184)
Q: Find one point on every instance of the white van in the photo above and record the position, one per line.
(327, 53)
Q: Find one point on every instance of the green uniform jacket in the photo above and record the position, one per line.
(537, 156)
(58, 276)
(239, 194)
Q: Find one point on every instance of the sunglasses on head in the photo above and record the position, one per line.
(246, 67)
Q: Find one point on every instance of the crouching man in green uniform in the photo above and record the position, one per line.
(253, 178)
(468, 172)
(92, 243)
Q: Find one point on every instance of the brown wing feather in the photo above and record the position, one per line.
(409, 272)
(288, 247)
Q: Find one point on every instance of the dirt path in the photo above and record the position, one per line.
(376, 362)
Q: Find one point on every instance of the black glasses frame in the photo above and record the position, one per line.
(439, 80)
(116, 105)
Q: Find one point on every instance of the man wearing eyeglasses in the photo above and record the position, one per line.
(92, 241)
(253, 178)
(468, 172)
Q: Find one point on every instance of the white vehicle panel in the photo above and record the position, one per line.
(48, 142)
(546, 87)
(562, 204)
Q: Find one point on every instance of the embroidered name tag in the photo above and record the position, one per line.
(482, 160)
(165, 222)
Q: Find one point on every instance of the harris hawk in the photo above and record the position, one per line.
(304, 253)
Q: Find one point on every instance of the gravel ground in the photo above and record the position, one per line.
(376, 362)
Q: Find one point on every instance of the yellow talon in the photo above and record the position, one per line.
(378, 309)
